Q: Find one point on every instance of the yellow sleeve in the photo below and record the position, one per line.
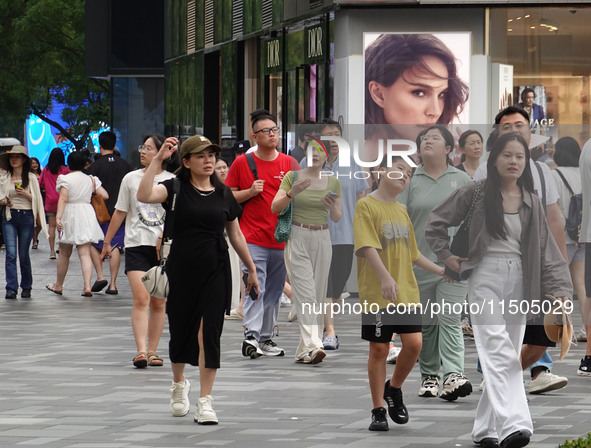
(365, 232)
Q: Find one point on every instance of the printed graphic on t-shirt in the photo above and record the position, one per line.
(151, 215)
(394, 232)
(280, 176)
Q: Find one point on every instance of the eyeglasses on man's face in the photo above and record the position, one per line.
(267, 131)
(145, 148)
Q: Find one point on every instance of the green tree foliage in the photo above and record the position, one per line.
(41, 60)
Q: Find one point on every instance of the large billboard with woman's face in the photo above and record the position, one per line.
(413, 81)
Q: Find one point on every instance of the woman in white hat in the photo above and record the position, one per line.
(21, 196)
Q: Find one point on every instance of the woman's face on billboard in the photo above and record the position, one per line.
(415, 100)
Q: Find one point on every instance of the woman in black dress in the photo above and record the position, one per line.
(198, 266)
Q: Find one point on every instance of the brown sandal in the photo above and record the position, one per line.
(154, 360)
(140, 360)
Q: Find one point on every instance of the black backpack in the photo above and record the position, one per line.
(575, 212)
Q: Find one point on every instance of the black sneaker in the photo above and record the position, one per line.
(585, 367)
(26, 294)
(379, 422)
(396, 409)
(10, 295)
(518, 439)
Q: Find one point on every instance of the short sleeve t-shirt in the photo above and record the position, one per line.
(144, 222)
(386, 227)
(353, 182)
(423, 194)
(110, 169)
(307, 206)
(257, 222)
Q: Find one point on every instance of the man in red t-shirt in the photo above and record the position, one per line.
(258, 226)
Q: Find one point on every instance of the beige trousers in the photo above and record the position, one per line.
(307, 260)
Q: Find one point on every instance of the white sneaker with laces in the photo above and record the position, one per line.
(545, 382)
(179, 398)
(393, 354)
(456, 385)
(429, 387)
(269, 348)
(251, 348)
(205, 414)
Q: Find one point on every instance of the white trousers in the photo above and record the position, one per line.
(307, 259)
(494, 285)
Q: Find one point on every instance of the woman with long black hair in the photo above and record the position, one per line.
(511, 257)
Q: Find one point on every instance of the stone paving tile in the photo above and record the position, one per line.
(66, 380)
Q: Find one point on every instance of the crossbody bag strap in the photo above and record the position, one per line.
(565, 182)
(252, 165)
(543, 182)
(475, 198)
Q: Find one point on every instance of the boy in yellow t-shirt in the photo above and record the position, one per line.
(386, 249)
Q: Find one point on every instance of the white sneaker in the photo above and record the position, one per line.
(269, 348)
(545, 382)
(292, 316)
(456, 385)
(284, 300)
(345, 295)
(393, 354)
(481, 386)
(429, 387)
(205, 414)
(179, 398)
(250, 348)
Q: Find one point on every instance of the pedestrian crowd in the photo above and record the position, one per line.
(398, 222)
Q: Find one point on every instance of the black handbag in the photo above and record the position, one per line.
(461, 242)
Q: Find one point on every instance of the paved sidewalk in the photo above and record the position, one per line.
(66, 380)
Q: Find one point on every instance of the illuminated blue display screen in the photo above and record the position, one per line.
(42, 138)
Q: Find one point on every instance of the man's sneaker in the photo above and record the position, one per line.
(481, 386)
(393, 354)
(379, 422)
(456, 385)
(429, 387)
(205, 414)
(396, 409)
(585, 367)
(250, 347)
(545, 382)
(330, 342)
(179, 398)
(269, 348)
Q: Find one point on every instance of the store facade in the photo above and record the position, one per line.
(305, 60)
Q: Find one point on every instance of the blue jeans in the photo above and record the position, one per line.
(260, 316)
(18, 232)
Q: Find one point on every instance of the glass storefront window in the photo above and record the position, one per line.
(548, 48)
